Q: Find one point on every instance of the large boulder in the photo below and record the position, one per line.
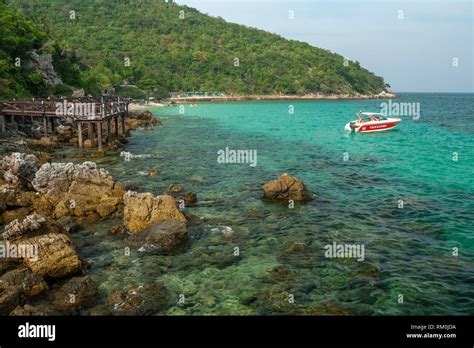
(143, 209)
(286, 188)
(160, 237)
(53, 251)
(57, 257)
(144, 120)
(19, 168)
(80, 190)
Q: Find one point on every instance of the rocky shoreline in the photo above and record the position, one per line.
(41, 205)
(44, 203)
(381, 95)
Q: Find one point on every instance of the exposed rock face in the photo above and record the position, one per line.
(79, 190)
(76, 293)
(286, 188)
(44, 64)
(19, 168)
(32, 224)
(143, 209)
(144, 119)
(179, 194)
(55, 254)
(160, 237)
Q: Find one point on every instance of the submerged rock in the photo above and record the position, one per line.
(77, 293)
(80, 190)
(143, 209)
(9, 299)
(8, 264)
(286, 188)
(179, 194)
(142, 300)
(24, 281)
(160, 237)
(37, 310)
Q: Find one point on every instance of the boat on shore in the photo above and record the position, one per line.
(368, 122)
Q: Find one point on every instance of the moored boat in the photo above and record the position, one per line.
(368, 122)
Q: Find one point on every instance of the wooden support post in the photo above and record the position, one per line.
(79, 134)
(116, 127)
(90, 129)
(123, 125)
(109, 131)
(2, 124)
(45, 126)
(52, 124)
(99, 135)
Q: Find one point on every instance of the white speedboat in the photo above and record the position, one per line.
(368, 122)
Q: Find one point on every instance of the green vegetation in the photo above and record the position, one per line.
(19, 37)
(170, 53)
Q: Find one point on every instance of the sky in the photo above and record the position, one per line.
(416, 45)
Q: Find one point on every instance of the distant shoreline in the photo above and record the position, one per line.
(383, 95)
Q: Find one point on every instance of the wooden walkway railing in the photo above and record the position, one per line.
(93, 112)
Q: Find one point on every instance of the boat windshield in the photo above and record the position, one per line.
(364, 119)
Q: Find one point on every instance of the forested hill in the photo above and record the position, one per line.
(176, 48)
(31, 64)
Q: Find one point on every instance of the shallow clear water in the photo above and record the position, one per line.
(408, 251)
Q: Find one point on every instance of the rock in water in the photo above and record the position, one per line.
(143, 209)
(160, 237)
(24, 281)
(52, 251)
(80, 190)
(56, 256)
(76, 293)
(286, 188)
(9, 299)
(179, 194)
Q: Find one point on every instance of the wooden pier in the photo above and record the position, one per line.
(93, 113)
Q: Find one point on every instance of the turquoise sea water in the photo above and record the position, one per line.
(408, 251)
